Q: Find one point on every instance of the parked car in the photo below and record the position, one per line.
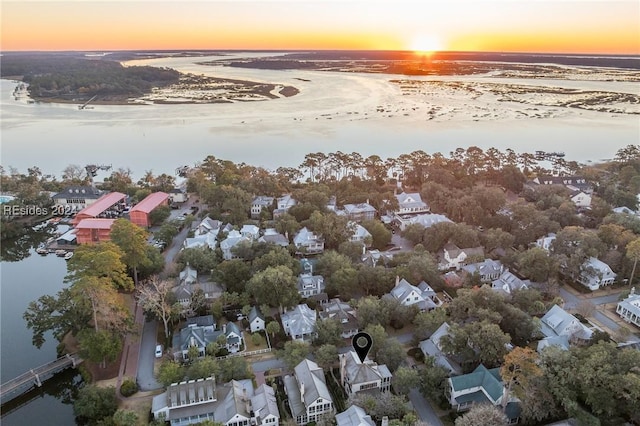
(158, 351)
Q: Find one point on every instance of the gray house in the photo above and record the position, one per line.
(300, 323)
(308, 394)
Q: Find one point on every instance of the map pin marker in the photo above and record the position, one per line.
(362, 343)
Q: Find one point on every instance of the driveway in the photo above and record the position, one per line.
(146, 358)
(424, 409)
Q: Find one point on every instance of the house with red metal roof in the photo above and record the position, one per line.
(92, 231)
(108, 206)
(139, 214)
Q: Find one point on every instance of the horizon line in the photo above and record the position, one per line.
(319, 50)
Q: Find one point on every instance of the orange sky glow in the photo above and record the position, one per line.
(550, 26)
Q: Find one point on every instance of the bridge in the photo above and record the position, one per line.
(36, 376)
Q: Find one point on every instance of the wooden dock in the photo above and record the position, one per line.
(36, 376)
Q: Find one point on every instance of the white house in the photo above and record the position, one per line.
(546, 241)
(358, 376)
(359, 212)
(310, 285)
(178, 196)
(410, 203)
(629, 308)
(300, 323)
(283, 204)
(308, 242)
(433, 348)
(422, 296)
(309, 397)
(580, 198)
(361, 235)
(453, 257)
(558, 322)
(250, 231)
(235, 403)
(233, 239)
(256, 320)
(258, 204)
(594, 274)
(507, 282)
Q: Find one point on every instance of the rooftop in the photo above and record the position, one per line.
(150, 202)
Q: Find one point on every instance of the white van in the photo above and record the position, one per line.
(158, 351)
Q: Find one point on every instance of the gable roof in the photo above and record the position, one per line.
(232, 400)
(95, 224)
(508, 282)
(558, 322)
(354, 416)
(188, 275)
(488, 380)
(357, 371)
(264, 402)
(150, 202)
(409, 200)
(254, 314)
(102, 204)
(309, 374)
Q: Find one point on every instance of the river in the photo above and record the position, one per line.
(24, 277)
(333, 111)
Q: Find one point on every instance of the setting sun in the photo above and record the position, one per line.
(426, 44)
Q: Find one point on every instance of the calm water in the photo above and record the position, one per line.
(334, 111)
(22, 281)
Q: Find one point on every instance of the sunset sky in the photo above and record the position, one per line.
(558, 26)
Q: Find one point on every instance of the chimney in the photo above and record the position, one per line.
(385, 421)
(247, 401)
(302, 391)
(224, 328)
(397, 280)
(343, 367)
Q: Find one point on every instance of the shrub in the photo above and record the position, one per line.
(256, 339)
(128, 387)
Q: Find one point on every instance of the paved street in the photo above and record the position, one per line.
(572, 300)
(423, 408)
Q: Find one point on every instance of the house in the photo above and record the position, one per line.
(233, 239)
(359, 212)
(188, 275)
(571, 182)
(208, 225)
(140, 213)
(594, 274)
(310, 285)
(546, 241)
(625, 210)
(488, 270)
(453, 257)
(482, 386)
(109, 206)
(629, 308)
(354, 416)
(359, 376)
(344, 313)
(561, 342)
(309, 397)
(283, 204)
(75, 198)
(256, 320)
(375, 257)
(92, 231)
(258, 204)
(426, 220)
(274, 237)
(233, 404)
(204, 240)
(361, 235)
(250, 231)
(300, 323)
(558, 322)
(580, 198)
(200, 336)
(507, 282)
(178, 196)
(422, 296)
(410, 203)
(433, 348)
(308, 242)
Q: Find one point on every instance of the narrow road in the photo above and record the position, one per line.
(424, 409)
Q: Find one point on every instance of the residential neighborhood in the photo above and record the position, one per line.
(250, 298)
